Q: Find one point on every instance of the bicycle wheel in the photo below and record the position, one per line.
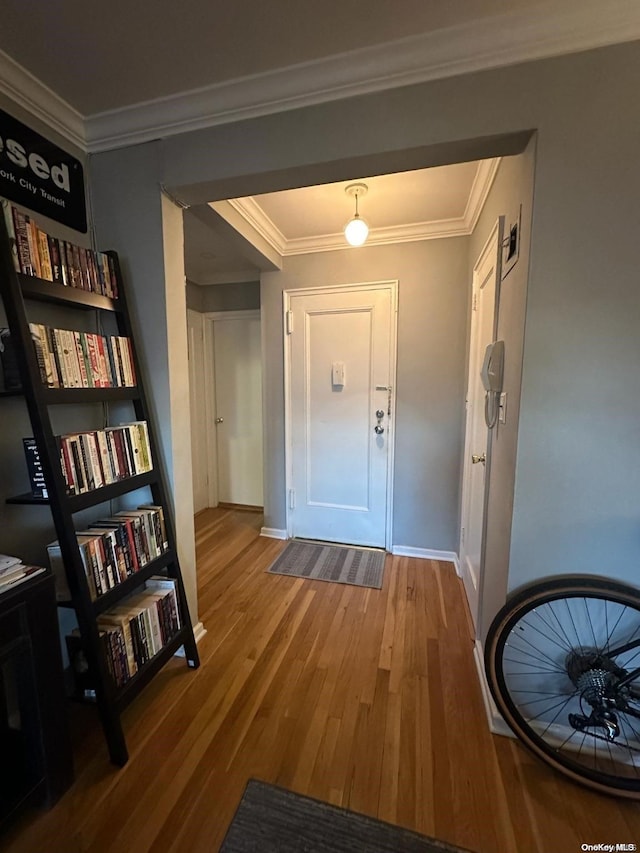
(561, 660)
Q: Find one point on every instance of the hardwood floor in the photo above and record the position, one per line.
(368, 699)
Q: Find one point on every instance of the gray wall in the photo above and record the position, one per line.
(432, 302)
(240, 296)
(577, 496)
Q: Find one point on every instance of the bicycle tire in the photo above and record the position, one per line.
(523, 658)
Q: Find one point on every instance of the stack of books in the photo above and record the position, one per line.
(13, 571)
(130, 634)
(112, 549)
(38, 254)
(98, 458)
(71, 359)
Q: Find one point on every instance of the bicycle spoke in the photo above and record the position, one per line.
(572, 622)
(613, 630)
(560, 626)
(562, 705)
(538, 669)
(593, 633)
(566, 645)
(519, 636)
(543, 699)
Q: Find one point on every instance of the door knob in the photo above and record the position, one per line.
(379, 414)
(475, 458)
(378, 429)
(219, 420)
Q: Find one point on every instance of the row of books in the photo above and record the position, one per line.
(136, 631)
(131, 634)
(70, 359)
(112, 549)
(39, 254)
(98, 458)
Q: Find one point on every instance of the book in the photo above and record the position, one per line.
(7, 562)
(22, 242)
(28, 572)
(59, 573)
(34, 466)
(159, 582)
(44, 357)
(7, 212)
(46, 270)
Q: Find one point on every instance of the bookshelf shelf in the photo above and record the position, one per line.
(27, 499)
(93, 498)
(108, 599)
(49, 291)
(124, 656)
(53, 396)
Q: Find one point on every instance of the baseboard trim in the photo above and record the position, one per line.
(273, 533)
(426, 554)
(497, 725)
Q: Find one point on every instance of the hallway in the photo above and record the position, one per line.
(368, 699)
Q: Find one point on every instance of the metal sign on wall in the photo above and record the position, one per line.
(39, 175)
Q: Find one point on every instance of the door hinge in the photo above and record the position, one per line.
(475, 302)
(289, 321)
(292, 498)
(462, 535)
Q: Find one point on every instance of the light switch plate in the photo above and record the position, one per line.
(511, 241)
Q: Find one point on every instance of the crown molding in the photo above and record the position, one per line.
(380, 236)
(462, 226)
(33, 96)
(252, 213)
(544, 31)
(482, 183)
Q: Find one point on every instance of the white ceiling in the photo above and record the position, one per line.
(442, 201)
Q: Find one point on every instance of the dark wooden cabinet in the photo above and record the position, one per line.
(35, 745)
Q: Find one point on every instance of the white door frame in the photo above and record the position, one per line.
(199, 447)
(210, 318)
(392, 285)
(493, 243)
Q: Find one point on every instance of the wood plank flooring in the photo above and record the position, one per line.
(365, 698)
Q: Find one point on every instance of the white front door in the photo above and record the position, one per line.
(341, 360)
(483, 305)
(237, 358)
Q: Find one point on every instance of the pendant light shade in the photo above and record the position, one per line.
(356, 230)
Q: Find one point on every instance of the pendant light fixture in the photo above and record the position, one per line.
(356, 230)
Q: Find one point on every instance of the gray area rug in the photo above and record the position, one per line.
(324, 561)
(272, 820)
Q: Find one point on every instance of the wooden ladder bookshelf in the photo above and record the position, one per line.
(17, 292)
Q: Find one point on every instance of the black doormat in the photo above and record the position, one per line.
(273, 820)
(324, 561)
